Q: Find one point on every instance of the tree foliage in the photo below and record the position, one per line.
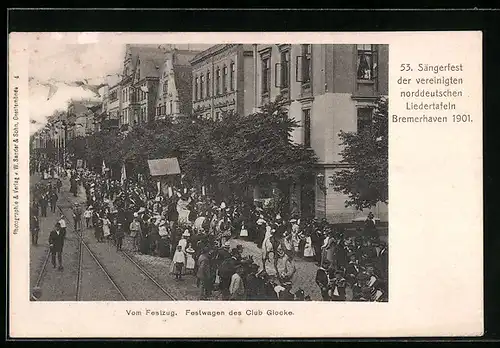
(365, 154)
(235, 151)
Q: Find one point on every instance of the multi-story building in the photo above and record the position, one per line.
(329, 88)
(108, 116)
(222, 80)
(141, 71)
(174, 90)
(81, 118)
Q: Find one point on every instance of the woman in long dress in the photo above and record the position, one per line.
(308, 248)
(105, 227)
(190, 263)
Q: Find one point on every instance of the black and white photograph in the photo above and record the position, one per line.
(208, 172)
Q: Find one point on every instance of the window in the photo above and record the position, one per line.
(285, 69)
(208, 83)
(217, 82)
(171, 107)
(196, 89)
(202, 86)
(306, 63)
(217, 116)
(266, 75)
(224, 79)
(367, 62)
(233, 77)
(364, 118)
(307, 127)
(165, 87)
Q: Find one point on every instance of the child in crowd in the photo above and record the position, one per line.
(179, 260)
(88, 216)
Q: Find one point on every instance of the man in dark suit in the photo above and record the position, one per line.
(56, 242)
(322, 281)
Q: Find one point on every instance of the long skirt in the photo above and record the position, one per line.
(190, 262)
(106, 231)
(309, 250)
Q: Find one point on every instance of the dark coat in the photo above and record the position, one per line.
(203, 272)
(321, 278)
(56, 240)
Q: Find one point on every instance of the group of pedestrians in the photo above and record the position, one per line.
(194, 230)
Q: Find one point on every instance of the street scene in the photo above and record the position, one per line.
(225, 172)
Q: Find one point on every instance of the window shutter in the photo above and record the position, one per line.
(277, 75)
(298, 69)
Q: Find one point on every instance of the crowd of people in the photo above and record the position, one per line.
(194, 230)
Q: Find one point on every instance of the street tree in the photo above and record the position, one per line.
(258, 149)
(365, 155)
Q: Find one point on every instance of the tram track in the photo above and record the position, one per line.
(148, 275)
(83, 246)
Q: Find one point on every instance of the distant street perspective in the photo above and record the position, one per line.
(228, 172)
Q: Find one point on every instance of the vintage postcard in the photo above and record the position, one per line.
(216, 185)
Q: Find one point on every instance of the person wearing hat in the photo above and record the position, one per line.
(87, 214)
(119, 234)
(136, 232)
(237, 287)
(56, 243)
(225, 251)
(337, 286)
(322, 280)
(226, 271)
(353, 268)
(328, 247)
(34, 229)
(204, 274)
(184, 240)
(361, 281)
(178, 262)
(77, 217)
(252, 282)
(190, 263)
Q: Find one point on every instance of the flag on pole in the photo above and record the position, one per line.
(124, 174)
(158, 184)
(103, 167)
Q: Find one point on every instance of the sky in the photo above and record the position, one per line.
(56, 58)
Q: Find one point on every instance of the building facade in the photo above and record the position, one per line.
(328, 88)
(174, 95)
(81, 118)
(141, 70)
(222, 80)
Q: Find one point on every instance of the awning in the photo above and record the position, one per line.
(165, 166)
